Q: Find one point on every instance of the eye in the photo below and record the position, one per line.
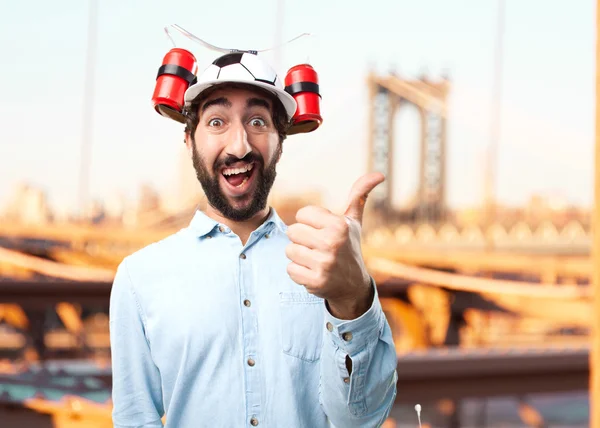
(257, 121)
(215, 122)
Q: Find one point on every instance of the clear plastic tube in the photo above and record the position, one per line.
(218, 49)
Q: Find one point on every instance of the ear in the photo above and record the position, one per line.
(188, 144)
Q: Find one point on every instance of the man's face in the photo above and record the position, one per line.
(235, 151)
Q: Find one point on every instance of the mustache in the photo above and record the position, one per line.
(230, 160)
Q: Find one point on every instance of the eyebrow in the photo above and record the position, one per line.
(257, 102)
(222, 101)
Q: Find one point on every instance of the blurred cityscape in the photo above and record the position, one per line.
(29, 204)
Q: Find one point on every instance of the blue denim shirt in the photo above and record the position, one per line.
(214, 333)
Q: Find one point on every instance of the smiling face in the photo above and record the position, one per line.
(235, 148)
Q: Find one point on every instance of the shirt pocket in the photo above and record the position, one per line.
(301, 324)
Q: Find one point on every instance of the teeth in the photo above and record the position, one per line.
(231, 171)
(243, 182)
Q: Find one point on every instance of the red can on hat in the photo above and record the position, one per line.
(302, 83)
(175, 75)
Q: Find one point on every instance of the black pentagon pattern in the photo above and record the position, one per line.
(236, 58)
(228, 59)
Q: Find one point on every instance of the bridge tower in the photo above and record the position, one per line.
(388, 94)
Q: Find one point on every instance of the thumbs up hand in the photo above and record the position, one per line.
(326, 256)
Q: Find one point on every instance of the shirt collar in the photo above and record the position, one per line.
(202, 224)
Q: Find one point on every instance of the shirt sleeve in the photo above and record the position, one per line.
(364, 397)
(136, 390)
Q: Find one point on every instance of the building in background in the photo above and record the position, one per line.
(28, 205)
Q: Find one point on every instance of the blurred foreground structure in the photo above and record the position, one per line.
(467, 321)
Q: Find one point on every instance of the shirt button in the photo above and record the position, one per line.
(329, 326)
(347, 336)
(254, 422)
(247, 303)
(242, 256)
(221, 229)
(346, 380)
(267, 235)
(208, 236)
(251, 362)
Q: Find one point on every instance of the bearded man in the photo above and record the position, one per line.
(238, 319)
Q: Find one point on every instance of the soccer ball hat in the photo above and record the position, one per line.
(242, 67)
(177, 85)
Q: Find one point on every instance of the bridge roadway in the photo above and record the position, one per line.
(540, 265)
(108, 245)
(428, 375)
(457, 373)
(41, 294)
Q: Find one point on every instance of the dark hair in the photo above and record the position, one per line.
(280, 120)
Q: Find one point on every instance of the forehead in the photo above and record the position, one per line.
(237, 96)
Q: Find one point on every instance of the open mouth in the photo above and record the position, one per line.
(239, 178)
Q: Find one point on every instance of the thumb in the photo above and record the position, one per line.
(359, 192)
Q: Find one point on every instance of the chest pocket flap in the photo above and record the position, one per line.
(301, 324)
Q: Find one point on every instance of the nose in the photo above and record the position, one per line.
(238, 145)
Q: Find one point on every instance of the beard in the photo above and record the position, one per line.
(265, 177)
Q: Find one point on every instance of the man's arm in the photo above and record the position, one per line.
(358, 359)
(358, 368)
(136, 391)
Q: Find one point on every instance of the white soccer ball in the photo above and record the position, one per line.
(242, 67)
